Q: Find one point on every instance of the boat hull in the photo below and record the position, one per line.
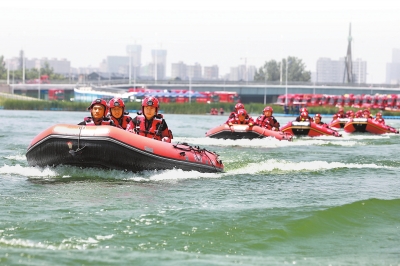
(368, 125)
(237, 131)
(113, 148)
(339, 123)
(308, 129)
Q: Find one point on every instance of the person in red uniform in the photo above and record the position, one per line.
(242, 118)
(233, 114)
(367, 114)
(98, 110)
(150, 123)
(318, 120)
(304, 116)
(379, 118)
(359, 114)
(120, 118)
(341, 113)
(266, 120)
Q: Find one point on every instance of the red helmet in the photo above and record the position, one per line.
(242, 112)
(379, 114)
(99, 101)
(116, 102)
(239, 106)
(268, 108)
(304, 110)
(318, 115)
(304, 114)
(366, 111)
(150, 101)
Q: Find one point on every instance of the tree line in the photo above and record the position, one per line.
(271, 71)
(32, 73)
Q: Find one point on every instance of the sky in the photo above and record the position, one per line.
(208, 32)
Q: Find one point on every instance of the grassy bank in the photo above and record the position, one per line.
(170, 108)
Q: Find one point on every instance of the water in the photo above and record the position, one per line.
(313, 201)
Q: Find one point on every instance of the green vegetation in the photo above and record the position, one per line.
(169, 108)
(271, 71)
(32, 73)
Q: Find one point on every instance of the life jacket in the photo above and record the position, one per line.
(303, 119)
(267, 122)
(124, 122)
(104, 122)
(246, 121)
(154, 131)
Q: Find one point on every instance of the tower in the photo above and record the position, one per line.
(348, 67)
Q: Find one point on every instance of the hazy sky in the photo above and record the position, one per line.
(207, 32)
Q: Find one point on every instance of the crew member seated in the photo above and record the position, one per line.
(379, 119)
(233, 114)
(341, 113)
(367, 114)
(267, 120)
(120, 118)
(242, 118)
(304, 117)
(98, 110)
(318, 120)
(151, 124)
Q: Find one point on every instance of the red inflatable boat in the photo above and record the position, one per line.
(114, 148)
(308, 129)
(368, 125)
(237, 131)
(339, 122)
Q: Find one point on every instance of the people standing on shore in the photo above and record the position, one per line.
(98, 111)
(150, 123)
(120, 118)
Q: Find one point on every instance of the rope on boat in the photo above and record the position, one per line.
(196, 149)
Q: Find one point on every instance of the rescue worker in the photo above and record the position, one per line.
(359, 114)
(120, 118)
(266, 120)
(98, 110)
(150, 123)
(367, 114)
(318, 120)
(379, 118)
(341, 113)
(304, 116)
(242, 118)
(233, 114)
(350, 114)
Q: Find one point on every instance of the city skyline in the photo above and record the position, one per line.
(209, 33)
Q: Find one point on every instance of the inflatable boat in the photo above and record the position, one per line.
(368, 125)
(339, 122)
(308, 129)
(237, 131)
(113, 148)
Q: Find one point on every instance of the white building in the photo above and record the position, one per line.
(333, 71)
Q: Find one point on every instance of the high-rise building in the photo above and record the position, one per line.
(159, 64)
(117, 64)
(179, 70)
(334, 71)
(134, 52)
(393, 68)
(242, 73)
(211, 72)
(194, 72)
